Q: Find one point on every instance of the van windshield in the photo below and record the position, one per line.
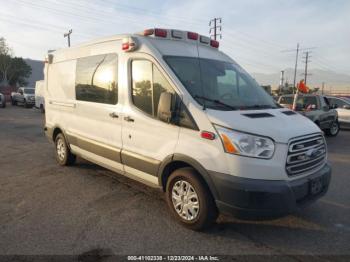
(219, 85)
(29, 91)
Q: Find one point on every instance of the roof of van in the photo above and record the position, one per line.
(165, 41)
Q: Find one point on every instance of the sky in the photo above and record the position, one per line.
(254, 32)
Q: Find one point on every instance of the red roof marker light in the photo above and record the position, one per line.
(192, 35)
(160, 32)
(214, 43)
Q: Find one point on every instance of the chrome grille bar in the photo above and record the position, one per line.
(306, 154)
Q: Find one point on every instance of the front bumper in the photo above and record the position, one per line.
(246, 197)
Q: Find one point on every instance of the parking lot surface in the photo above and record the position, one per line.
(51, 210)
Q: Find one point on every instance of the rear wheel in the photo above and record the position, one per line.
(63, 155)
(334, 129)
(190, 200)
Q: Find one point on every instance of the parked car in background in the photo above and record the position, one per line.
(317, 108)
(343, 108)
(39, 95)
(24, 95)
(2, 101)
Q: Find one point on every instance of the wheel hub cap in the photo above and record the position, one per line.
(185, 200)
(60, 149)
(334, 128)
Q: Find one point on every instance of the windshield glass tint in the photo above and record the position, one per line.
(219, 85)
(28, 90)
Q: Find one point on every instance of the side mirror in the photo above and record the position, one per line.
(346, 107)
(165, 106)
(325, 108)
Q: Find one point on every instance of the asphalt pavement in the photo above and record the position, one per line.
(46, 209)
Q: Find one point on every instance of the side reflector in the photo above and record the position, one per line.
(204, 39)
(207, 135)
(160, 32)
(191, 35)
(214, 43)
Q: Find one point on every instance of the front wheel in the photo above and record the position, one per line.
(13, 102)
(334, 129)
(63, 155)
(190, 200)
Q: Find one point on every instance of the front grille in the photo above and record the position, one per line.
(306, 154)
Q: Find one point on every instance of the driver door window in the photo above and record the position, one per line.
(147, 85)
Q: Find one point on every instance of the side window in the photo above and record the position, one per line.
(160, 85)
(96, 79)
(338, 102)
(142, 85)
(147, 85)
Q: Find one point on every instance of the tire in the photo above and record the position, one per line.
(25, 103)
(42, 109)
(63, 155)
(204, 211)
(334, 129)
(3, 104)
(13, 102)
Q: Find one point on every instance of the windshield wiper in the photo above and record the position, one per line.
(216, 102)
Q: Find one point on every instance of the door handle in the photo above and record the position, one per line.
(113, 115)
(129, 119)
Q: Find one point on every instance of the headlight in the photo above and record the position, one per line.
(239, 143)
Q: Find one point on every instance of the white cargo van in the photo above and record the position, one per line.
(167, 108)
(39, 95)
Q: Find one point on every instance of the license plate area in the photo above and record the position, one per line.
(316, 186)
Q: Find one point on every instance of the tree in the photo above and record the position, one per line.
(4, 48)
(18, 72)
(13, 70)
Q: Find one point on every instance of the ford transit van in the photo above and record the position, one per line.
(167, 108)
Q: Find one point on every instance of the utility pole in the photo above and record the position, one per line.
(68, 36)
(307, 61)
(281, 82)
(322, 88)
(215, 26)
(297, 50)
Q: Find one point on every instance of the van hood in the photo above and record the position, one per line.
(272, 123)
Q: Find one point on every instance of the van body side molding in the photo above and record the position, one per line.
(140, 162)
(95, 147)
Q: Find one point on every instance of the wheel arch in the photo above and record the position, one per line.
(176, 161)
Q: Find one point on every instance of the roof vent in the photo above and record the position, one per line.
(288, 113)
(258, 115)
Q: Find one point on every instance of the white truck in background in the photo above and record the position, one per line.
(39, 95)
